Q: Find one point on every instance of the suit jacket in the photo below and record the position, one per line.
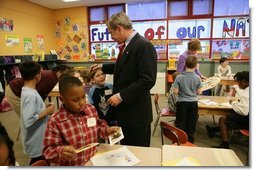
(134, 76)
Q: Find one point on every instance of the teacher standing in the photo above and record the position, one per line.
(193, 46)
(134, 75)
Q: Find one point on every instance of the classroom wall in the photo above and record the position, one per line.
(72, 40)
(29, 21)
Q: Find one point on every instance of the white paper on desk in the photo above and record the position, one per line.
(227, 104)
(118, 157)
(208, 102)
(185, 161)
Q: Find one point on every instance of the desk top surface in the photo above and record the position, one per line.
(203, 156)
(214, 102)
(148, 156)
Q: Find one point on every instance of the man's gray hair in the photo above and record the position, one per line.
(119, 19)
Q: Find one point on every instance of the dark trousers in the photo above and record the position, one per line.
(236, 121)
(33, 160)
(186, 118)
(137, 136)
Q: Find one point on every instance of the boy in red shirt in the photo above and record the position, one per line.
(75, 125)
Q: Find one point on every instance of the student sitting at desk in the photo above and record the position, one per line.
(239, 116)
(74, 125)
(188, 85)
(224, 70)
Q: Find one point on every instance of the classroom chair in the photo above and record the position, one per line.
(41, 163)
(174, 134)
(164, 112)
(244, 132)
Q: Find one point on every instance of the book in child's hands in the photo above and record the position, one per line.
(86, 147)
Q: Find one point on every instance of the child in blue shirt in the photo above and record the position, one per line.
(34, 113)
(188, 85)
(99, 94)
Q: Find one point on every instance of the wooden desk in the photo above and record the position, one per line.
(54, 94)
(213, 110)
(228, 81)
(204, 156)
(148, 156)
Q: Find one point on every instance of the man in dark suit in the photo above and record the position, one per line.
(134, 75)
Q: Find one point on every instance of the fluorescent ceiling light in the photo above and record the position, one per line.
(70, 0)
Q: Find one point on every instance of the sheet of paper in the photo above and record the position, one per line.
(227, 104)
(86, 147)
(116, 137)
(118, 157)
(186, 161)
(208, 102)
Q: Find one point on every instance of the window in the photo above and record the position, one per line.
(235, 27)
(97, 14)
(231, 7)
(177, 47)
(221, 25)
(104, 51)
(178, 8)
(151, 29)
(114, 9)
(232, 49)
(188, 29)
(202, 7)
(147, 10)
(101, 14)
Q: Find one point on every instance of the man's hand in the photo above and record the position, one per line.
(95, 66)
(114, 100)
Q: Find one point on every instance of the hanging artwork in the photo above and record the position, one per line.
(6, 24)
(40, 41)
(75, 48)
(28, 45)
(67, 21)
(68, 38)
(75, 27)
(11, 40)
(68, 48)
(71, 39)
(77, 39)
(83, 45)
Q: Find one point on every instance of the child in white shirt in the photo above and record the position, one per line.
(224, 70)
(238, 118)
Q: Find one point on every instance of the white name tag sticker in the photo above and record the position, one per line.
(91, 122)
(108, 92)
